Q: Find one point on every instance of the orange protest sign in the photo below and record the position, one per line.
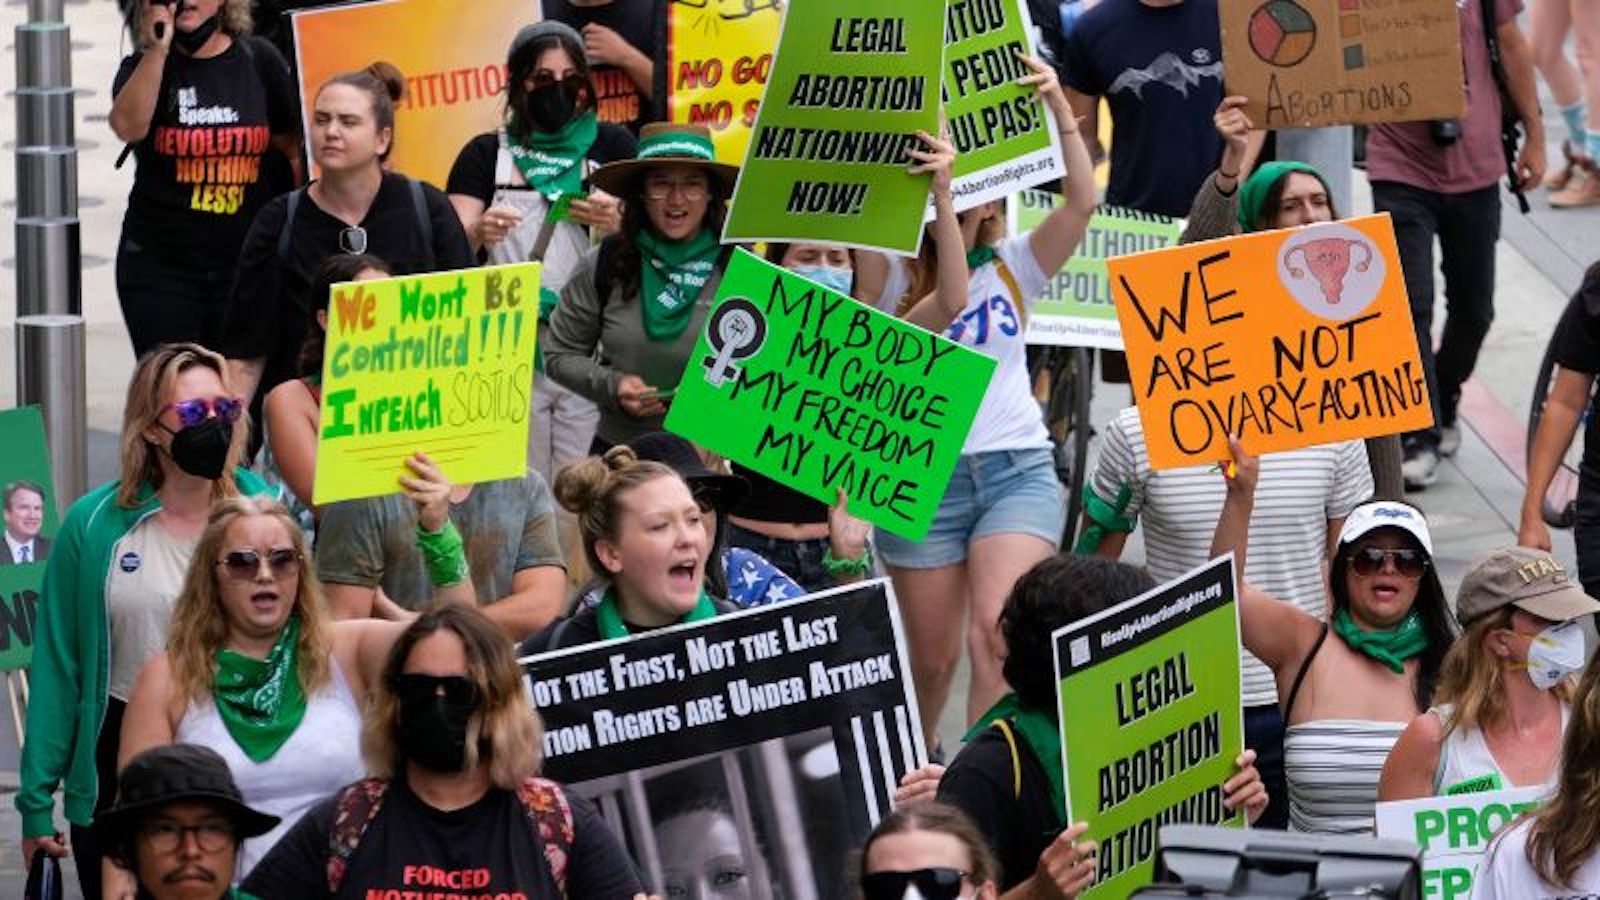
(1287, 338)
(452, 54)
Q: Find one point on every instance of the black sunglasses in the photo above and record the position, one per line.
(244, 565)
(1369, 561)
(458, 690)
(932, 884)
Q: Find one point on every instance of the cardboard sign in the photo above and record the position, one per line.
(788, 725)
(453, 55)
(851, 86)
(1288, 338)
(1005, 138)
(1454, 832)
(439, 363)
(1075, 309)
(830, 394)
(29, 506)
(1150, 719)
(1310, 63)
(717, 59)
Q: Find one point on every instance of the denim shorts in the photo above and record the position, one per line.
(800, 560)
(990, 493)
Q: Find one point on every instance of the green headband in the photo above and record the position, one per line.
(1254, 192)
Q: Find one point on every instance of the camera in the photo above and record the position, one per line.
(1445, 131)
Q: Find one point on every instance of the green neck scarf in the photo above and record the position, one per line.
(671, 278)
(552, 162)
(612, 626)
(1392, 646)
(980, 256)
(261, 701)
(1041, 733)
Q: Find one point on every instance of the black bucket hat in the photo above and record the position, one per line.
(170, 773)
(724, 491)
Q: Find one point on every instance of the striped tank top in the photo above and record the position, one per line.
(1333, 766)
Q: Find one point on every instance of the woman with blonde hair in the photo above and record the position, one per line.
(113, 576)
(454, 746)
(1504, 689)
(1553, 851)
(931, 846)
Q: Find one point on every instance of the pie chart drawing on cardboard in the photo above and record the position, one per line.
(1282, 33)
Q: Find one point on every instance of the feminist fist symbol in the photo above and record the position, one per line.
(736, 331)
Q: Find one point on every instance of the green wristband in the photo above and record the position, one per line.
(444, 554)
(846, 567)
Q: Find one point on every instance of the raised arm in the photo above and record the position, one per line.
(936, 311)
(135, 104)
(1057, 236)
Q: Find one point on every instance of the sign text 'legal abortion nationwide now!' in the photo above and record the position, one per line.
(1287, 338)
(439, 363)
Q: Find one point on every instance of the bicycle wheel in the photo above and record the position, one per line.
(1070, 430)
(1560, 503)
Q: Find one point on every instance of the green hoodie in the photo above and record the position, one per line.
(71, 667)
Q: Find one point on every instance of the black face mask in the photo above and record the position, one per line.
(190, 42)
(202, 450)
(433, 732)
(552, 106)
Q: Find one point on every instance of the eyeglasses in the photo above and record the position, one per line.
(353, 240)
(1407, 563)
(244, 565)
(212, 835)
(932, 884)
(692, 190)
(459, 690)
(193, 412)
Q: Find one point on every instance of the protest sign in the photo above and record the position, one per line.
(29, 505)
(1075, 309)
(848, 93)
(1311, 63)
(452, 54)
(1454, 832)
(792, 723)
(1150, 719)
(717, 59)
(1289, 338)
(439, 363)
(1005, 138)
(829, 394)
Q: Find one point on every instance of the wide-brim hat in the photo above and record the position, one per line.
(1531, 580)
(172, 773)
(666, 144)
(723, 491)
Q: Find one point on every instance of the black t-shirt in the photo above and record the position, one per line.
(270, 310)
(637, 22)
(487, 849)
(472, 175)
(981, 783)
(200, 179)
(1160, 71)
(1577, 347)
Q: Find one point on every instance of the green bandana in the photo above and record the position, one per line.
(671, 279)
(1042, 735)
(1253, 195)
(552, 163)
(1392, 646)
(612, 626)
(261, 701)
(978, 257)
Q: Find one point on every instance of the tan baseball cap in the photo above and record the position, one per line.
(1531, 580)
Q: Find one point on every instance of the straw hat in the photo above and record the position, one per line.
(662, 144)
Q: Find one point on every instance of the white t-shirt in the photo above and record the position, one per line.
(1505, 874)
(1298, 493)
(147, 570)
(993, 324)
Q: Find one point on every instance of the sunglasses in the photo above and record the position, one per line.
(193, 412)
(543, 78)
(244, 565)
(353, 240)
(932, 884)
(1371, 560)
(458, 690)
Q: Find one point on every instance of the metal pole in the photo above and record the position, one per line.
(47, 10)
(44, 55)
(50, 357)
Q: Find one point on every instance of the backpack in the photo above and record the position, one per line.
(419, 207)
(544, 802)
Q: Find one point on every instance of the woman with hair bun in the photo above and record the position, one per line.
(355, 206)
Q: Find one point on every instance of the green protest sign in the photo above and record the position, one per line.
(822, 393)
(836, 126)
(1076, 309)
(1454, 832)
(1005, 138)
(29, 529)
(1150, 719)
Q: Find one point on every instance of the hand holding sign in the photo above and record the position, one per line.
(429, 489)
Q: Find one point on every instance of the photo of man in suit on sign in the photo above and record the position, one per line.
(24, 516)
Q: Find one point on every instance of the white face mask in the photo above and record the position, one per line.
(1556, 653)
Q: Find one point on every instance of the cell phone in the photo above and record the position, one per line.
(660, 395)
(562, 207)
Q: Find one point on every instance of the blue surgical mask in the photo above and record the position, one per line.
(831, 277)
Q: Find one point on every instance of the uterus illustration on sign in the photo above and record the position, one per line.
(1332, 270)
